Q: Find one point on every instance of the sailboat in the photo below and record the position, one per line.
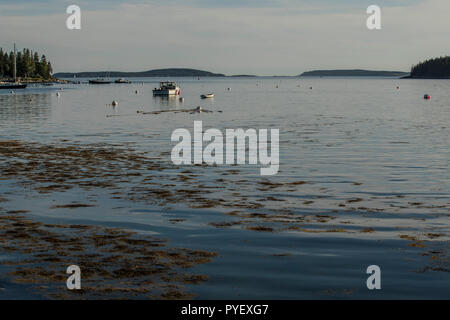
(15, 84)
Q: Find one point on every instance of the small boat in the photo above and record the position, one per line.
(15, 84)
(167, 88)
(122, 80)
(207, 96)
(99, 81)
(12, 85)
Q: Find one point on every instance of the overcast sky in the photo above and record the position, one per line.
(264, 37)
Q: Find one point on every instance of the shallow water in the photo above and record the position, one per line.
(372, 157)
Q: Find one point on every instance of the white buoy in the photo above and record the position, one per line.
(115, 103)
(199, 109)
(136, 92)
(181, 99)
(58, 94)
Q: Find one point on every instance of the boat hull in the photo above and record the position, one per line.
(99, 82)
(170, 92)
(13, 86)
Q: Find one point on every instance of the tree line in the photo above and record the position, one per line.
(29, 65)
(432, 68)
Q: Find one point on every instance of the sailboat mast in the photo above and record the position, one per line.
(14, 70)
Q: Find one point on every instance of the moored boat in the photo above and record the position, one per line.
(207, 96)
(167, 88)
(99, 81)
(12, 85)
(122, 80)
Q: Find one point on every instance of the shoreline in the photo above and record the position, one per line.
(37, 81)
(426, 78)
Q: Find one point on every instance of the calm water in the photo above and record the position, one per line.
(373, 156)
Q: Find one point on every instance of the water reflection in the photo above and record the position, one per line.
(25, 107)
(167, 101)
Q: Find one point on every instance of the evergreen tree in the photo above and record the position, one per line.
(44, 67)
(2, 63)
(28, 67)
(29, 64)
(432, 68)
(36, 64)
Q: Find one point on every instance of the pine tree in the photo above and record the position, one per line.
(2, 63)
(28, 67)
(29, 64)
(432, 68)
(44, 67)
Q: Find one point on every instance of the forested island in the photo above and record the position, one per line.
(29, 65)
(173, 72)
(437, 68)
(352, 73)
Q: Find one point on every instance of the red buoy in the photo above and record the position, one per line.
(427, 97)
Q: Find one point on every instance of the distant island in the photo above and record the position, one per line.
(352, 73)
(244, 76)
(174, 72)
(437, 68)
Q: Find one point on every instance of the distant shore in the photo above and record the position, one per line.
(352, 73)
(35, 80)
(182, 72)
(150, 73)
(425, 78)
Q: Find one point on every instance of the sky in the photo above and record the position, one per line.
(263, 37)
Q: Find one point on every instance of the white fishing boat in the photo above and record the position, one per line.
(167, 88)
(207, 96)
(122, 80)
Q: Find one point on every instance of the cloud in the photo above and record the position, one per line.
(250, 39)
(42, 7)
